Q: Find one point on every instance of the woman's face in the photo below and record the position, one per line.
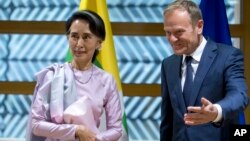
(82, 41)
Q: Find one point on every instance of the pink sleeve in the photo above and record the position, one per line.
(113, 116)
(39, 111)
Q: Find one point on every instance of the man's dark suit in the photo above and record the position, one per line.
(219, 78)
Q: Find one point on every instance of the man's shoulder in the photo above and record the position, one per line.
(171, 58)
(221, 46)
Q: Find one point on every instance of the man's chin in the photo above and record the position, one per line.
(178, 52)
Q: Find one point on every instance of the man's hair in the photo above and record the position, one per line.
(186, 5)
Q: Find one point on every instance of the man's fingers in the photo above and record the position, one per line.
(194, 109)
(205, 102)
(194, 118)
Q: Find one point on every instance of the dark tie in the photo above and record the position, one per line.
(188, 81)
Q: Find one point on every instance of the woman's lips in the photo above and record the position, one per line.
(79, 52)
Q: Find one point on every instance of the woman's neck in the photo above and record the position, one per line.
(81, 66)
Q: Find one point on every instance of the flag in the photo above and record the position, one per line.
(216, 26)
(106, 59)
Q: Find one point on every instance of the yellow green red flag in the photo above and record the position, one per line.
(106, 59)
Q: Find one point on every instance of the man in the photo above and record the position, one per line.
(201, 97)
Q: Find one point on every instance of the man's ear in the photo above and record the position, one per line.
(200, 25)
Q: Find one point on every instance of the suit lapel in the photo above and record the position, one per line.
(207, 59)
(175, 82)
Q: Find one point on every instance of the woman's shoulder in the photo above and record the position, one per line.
(50, 70)
(53, 67)
(105, 78)
(102, 75)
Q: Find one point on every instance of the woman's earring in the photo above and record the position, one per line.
(98, 48)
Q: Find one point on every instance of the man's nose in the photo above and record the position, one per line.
(172, 38)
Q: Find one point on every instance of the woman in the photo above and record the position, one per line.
(69, 98)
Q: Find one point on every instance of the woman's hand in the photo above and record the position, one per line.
(84, 134)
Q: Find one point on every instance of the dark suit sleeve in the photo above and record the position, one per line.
(236, 99)
(166, 127)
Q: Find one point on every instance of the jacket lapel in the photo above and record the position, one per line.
(207, 59)
(175, 83)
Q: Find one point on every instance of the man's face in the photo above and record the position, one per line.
(182, 35)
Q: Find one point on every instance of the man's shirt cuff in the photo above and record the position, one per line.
(219, 116)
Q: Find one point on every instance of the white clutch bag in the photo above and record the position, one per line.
(80, 113)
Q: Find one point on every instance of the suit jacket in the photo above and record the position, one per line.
(219, 78)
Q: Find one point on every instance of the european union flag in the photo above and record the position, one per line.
(216, 26)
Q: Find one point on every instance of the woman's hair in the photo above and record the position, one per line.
(186, 5)
(96, 25)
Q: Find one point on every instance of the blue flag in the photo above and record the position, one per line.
(216, 26)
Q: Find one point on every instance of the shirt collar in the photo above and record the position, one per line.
(198, 52)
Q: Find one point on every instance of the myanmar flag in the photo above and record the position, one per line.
(106, 58)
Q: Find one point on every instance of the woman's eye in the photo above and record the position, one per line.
(86, 37)
(74, 36)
